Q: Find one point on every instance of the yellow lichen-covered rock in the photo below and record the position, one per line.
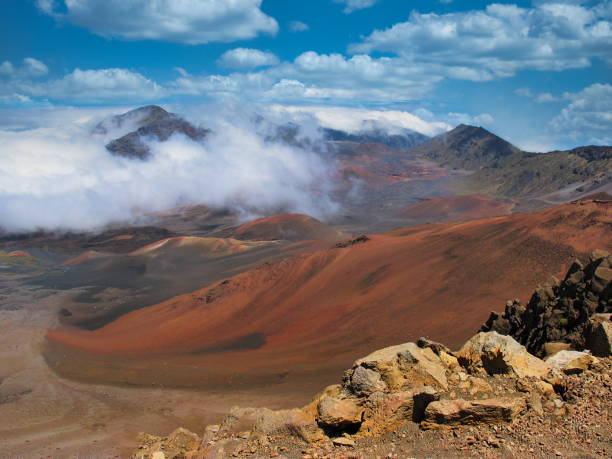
(489, 411)
(400, 368)
(571, 362)
(493, 353)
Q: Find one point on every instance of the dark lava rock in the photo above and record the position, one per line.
(358, 240)
(153, 123)
(560, 311)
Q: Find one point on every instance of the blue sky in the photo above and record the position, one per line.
(536, 72)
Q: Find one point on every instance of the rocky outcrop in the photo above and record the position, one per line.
(492, 379)
(571, 362)
(561, 312)
(493, 354)
(489, 411)
(599, 335)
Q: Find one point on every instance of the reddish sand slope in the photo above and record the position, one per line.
(291, 227)
(320, 311)
(455, 208)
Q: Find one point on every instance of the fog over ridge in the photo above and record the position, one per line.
(61, 177)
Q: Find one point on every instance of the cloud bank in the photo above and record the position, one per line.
(192, 22)
(62, 177)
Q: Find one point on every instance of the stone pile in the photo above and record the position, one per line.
(574, 313)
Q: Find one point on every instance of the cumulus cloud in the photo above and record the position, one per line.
(588, 117)
(97, 86)
(354, 5)
(247, 58)
(544, 97)
(500, 40)
(187, 21)
(298, 26)
(29, 68)
(318, 78)
(62, 177)
(355, 120)
(465, 118)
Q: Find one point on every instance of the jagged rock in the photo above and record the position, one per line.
(343, 441)
(551, 349)
(336, 412)
(437, 348)
(492, 353)
(560, 311)
(385, 412)
(599, 336)
(365, 381)
(571, 362)
(295, 422)
(449, 360)
(402, 367)
(490, 411)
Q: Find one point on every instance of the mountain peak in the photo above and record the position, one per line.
(467, 147)
(148, 121)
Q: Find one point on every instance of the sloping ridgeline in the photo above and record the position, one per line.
(504, 170)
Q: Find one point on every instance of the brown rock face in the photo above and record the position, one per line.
(561, 311)
(599, 335)
(338, 413)
(494, 410)
(571, 362)
(492, 353)
(398, 366)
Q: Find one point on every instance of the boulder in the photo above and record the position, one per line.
(337, 413)
(385, 412)
(436, 347)
(571, 362)
(365, 381)
(492, 353)
(400, 367)
(295, 422)
(599, 337)
(552, 348)
(489, 411)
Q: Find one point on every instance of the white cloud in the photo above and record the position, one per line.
(247, 58)
(298, 26)
(97, 86)
(354, 120)
(319, 77)
(29, 68)
(544, 97)
(186, 21)
(15, 100)
(465, 118)
(588, 118)
(62, 177)
(498, 41)
(354, 5)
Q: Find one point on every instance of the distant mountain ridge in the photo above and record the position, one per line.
(467, 147)
(505, 170)
(406, 140)
(150, 121)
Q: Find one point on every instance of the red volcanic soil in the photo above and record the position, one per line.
(19, 254)
(455, 208)
(318, 312)
(378, 165)
(291, 227)
(84, 258)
